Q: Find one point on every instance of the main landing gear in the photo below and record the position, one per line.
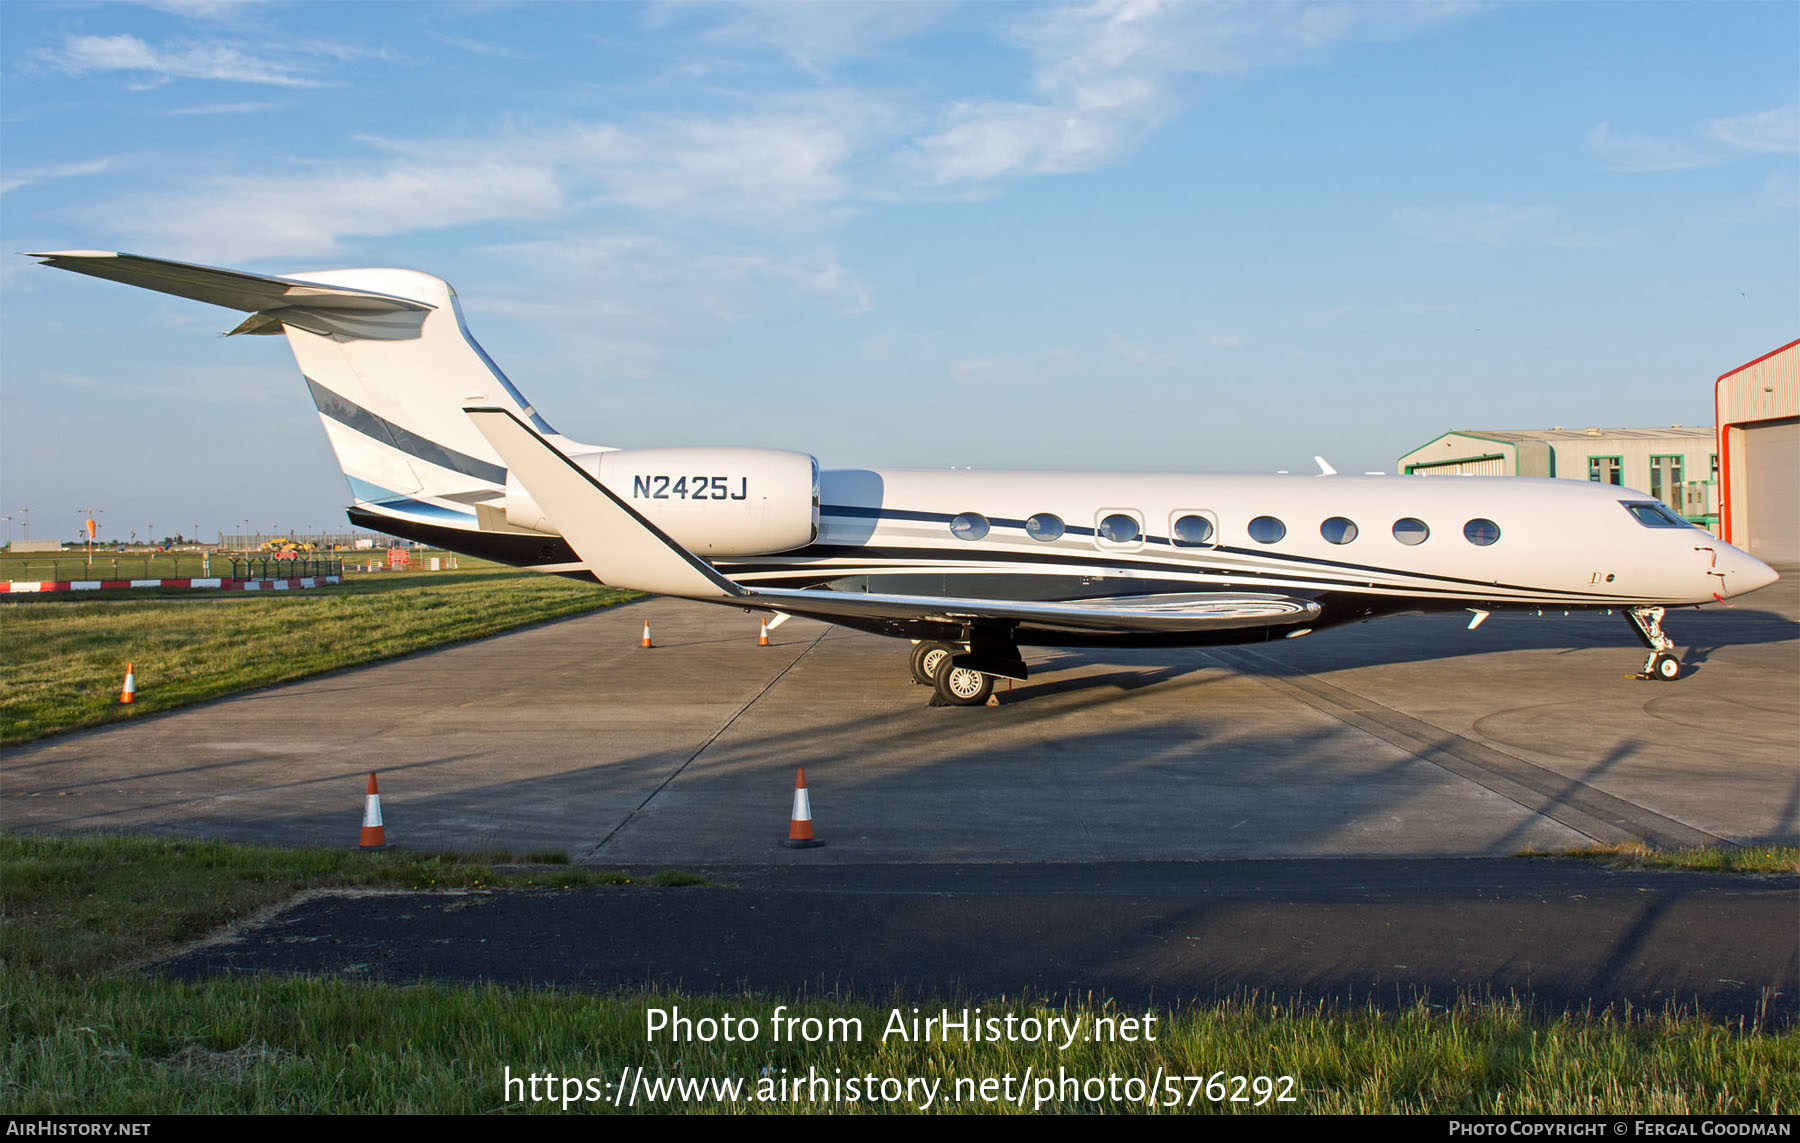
(964, 674)
(951, 684)
(1662, 662)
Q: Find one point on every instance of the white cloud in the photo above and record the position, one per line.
(220, 109)
(248, 217)
(780, 167)
(1776, 130)
(13, 180)
(1646, 152)
(79, 55)
(978, 369)
(203, 9)
(483, 47)
(1495, 224)
(1141, 353)
(776, 164)
(820, 34)
(1781, 190)
(627, 297)
(1109, 71)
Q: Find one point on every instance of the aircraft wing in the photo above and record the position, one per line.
(232, 289)
(624, 549)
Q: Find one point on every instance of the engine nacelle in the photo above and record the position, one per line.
(711, 501)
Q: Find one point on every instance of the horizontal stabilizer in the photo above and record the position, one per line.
(232, 289)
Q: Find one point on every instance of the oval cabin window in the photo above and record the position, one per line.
(1119, 528)
(1267, 530)
(969, 526)
(1191, 531)
(1338, 530)
(1481, 532)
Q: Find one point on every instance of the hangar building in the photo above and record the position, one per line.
(1677, 465)
(1758, 407)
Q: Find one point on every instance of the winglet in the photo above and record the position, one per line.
(618, 545)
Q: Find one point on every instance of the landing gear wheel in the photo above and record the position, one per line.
(1665, 667)
(962, 686)
(925, 660)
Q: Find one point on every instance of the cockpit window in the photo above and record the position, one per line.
(1653, 514)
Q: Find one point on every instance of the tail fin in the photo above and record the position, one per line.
(390, 365)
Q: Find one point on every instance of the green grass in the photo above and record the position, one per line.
(1711, 859)
(83, 1031)
(83, 905)
(108, 564)
(63, 657)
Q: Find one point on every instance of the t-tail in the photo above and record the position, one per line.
(390, 365)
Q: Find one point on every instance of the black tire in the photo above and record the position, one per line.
(1666, 667)
(925, 658)
(962, 686)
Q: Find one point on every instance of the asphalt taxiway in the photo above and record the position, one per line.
(1405, 737)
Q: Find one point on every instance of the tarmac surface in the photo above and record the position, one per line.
(1113, 785)
(1555, 935)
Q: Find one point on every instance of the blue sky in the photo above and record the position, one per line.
(1138, 236)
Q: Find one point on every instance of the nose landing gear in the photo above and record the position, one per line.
(1662, 662)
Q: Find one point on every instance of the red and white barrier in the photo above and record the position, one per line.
(28, 586)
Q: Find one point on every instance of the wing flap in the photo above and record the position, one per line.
(232, 289)
(1172, 613)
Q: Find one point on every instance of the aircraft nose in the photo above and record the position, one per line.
(1745, 573)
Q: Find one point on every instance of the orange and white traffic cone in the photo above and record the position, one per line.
(763, 639)
(646, 642)
(128, 694)
(373, 835)
(800, 834)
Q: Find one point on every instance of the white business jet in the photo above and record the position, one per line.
(439, 447)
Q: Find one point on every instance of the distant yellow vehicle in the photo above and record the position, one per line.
(282, 546)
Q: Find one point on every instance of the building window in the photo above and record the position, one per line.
(1338, 530)
(1045, 526)
(969, 526)
(1606, 469)
(1665, 478)
(1267, 530)
(1411, 532)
